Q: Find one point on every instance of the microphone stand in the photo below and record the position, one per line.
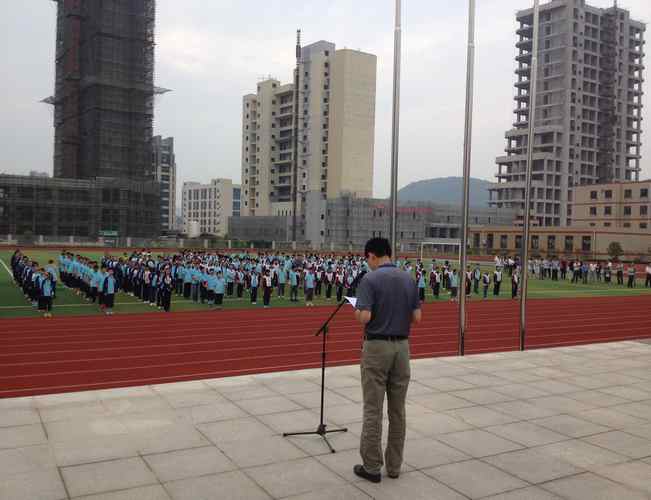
(322, 429)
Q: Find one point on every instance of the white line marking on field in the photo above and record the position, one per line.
(11, 276)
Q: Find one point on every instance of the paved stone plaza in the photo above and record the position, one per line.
(569, 423)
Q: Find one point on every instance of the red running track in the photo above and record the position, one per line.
(63, 354)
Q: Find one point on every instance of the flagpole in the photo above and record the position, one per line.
(467, 154)
(533, 86)
(395, 128)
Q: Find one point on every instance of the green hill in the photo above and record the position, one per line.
(446, 190)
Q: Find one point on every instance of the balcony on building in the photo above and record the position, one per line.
(526, 31)
(286, 111)
(524, 57)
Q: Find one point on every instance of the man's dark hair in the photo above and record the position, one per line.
(380, 247)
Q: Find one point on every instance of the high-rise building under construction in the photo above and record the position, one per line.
(104, 90)
(103, 121)
(588, 117)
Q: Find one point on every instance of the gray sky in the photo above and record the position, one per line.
(211, 52)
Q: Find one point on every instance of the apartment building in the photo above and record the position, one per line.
(209, 205)
(237, 202)
(588, 108)
(621, 205)
(164, 172)
(336, 126)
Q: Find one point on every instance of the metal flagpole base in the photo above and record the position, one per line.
(320, 431)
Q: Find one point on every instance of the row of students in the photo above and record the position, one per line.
(37, 283)
(87, 279)
(208, 278)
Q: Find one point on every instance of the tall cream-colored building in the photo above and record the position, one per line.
(336, 129)
(209, 205)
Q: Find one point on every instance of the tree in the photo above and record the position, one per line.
(615, 250)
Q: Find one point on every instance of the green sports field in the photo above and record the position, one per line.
(14, 304)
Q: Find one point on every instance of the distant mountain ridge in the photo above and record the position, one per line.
(446, 190)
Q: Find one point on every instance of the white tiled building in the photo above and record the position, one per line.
(208, 204)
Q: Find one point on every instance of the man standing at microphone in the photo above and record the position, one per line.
(387, 306)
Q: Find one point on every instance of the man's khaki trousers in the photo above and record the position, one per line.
(385, 369)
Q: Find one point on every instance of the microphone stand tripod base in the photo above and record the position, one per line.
(320, 431)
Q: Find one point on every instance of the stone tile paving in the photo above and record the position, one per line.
(565, 423)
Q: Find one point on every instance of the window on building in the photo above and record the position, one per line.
(535, 242)
(518, 241)
(643, 225)
(504, 241)
(628, 210)
(551, 242)
(586, 243)
(608, 210)
(593, 210)
(644, 210)
(628, 193)
(593, 195)
(644, 193)
(569, 243)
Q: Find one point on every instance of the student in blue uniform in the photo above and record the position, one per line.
(282, 280)
(254, 287)
(101, 276)
(196, 283)
(230, 281)
(220, 288)
(187, 282)
(52, 271)
(293, 281)
(309, 281)
(421, 286)
(94, 283)
(47, 293)
(165, 290)
(211, 281)
(153, 290)
(108, 289)
(454, 285)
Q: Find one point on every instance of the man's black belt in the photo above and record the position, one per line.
(393, 338)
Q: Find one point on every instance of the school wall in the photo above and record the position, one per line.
(569, 242)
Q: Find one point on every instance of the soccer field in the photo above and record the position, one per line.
(14, 304)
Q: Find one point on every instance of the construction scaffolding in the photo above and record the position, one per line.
(607, 95)
(78, 207)
(104, 88)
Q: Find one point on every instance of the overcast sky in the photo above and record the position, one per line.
(211, 52)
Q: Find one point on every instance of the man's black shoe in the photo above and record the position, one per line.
(360, 471)
(394, 476)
